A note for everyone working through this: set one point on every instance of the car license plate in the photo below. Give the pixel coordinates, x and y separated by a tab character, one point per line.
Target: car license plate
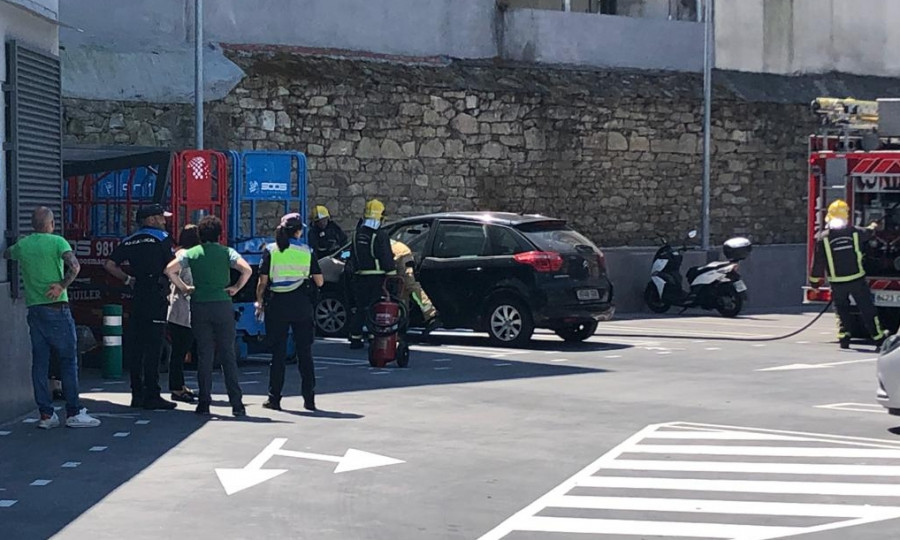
739	286
887	298
588	294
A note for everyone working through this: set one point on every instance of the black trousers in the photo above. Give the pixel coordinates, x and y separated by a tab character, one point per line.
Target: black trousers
213	326
182	339
145	339
277	332
859	290
366	291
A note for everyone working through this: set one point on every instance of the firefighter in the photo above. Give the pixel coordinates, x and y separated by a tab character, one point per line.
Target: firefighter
148	251
371	259
838	257
404	262
326	237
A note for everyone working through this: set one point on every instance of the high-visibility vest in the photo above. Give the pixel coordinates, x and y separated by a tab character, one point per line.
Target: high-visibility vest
289	268
829	256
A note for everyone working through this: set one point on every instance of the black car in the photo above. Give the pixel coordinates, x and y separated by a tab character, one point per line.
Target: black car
502	273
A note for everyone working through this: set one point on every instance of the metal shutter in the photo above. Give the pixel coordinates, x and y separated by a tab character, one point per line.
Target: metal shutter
34	138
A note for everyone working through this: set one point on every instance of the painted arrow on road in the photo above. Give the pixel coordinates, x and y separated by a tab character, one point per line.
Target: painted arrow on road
235	480
791	367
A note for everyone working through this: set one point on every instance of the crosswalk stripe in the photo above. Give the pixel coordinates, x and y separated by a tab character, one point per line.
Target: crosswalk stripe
720	507
721	436
746	486
753	467
662	528
773	451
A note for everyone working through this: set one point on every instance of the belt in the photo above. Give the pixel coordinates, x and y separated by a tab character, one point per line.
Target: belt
57	305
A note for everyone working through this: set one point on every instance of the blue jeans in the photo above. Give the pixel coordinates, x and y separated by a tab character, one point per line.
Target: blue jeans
53	329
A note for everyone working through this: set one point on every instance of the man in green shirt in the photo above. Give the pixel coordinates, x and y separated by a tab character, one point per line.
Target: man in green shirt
212	312
42	257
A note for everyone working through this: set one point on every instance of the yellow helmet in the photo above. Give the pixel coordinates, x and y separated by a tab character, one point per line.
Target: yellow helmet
838	210
374	210
321	212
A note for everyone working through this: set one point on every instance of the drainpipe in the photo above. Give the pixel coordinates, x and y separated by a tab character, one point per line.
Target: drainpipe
198	73
708	51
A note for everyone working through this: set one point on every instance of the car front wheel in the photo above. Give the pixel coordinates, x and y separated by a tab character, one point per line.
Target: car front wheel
577	332
509	322
331	315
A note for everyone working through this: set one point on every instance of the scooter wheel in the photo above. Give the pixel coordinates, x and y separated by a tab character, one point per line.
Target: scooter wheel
403	355
653	301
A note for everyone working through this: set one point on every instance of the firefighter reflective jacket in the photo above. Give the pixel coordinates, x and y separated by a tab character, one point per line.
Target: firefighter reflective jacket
838	255
289	268
370	252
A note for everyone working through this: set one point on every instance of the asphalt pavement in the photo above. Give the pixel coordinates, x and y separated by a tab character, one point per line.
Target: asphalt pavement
668	427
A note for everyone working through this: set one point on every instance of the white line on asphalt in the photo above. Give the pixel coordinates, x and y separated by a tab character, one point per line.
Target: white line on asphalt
719	507
97	449
142	422
802	343
321	368
114	382
612	356
713	348
122	434
249	382
836	439
442	360
560	360
502	364
442	368
721	436
834	469
71	464
337	361
253	373
634	527
855	407
381	373
745	486
784	451
40	483
759	345
4	433
664	352
6	503
793	367
97	389
30	421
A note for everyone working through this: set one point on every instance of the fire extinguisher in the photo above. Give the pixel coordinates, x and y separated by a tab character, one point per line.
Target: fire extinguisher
387	320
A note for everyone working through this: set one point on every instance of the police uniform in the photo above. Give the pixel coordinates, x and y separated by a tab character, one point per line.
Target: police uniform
147	251
289	307
838	256
371	259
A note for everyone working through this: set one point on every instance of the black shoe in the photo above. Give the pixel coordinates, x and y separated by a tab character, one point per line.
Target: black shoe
157	403
202	408
272	404
309	403
239	412
844	343
137	402
356	344
183	397
431	326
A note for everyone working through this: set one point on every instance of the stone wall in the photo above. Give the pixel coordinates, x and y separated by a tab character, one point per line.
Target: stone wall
617	153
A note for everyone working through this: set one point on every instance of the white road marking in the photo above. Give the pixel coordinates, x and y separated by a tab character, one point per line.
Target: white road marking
872	501
4	433
122	434
71	464
713	348
442	360
6	503
338	361
40	483
30	421
502	364
114	382
249	382
802	343
792	367
320	368
560	360
381	373
442	368
97	389
97	449
253	373
855	407
142	422
613	356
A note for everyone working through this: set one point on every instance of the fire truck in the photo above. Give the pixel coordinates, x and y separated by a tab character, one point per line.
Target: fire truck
104	187
856	157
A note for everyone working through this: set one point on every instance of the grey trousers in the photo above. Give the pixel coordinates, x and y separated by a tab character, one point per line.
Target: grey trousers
213	326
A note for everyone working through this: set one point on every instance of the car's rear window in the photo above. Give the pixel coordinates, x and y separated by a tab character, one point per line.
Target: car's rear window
555	236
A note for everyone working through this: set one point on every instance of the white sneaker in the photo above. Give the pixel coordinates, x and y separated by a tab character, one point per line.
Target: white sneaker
82	419
48	423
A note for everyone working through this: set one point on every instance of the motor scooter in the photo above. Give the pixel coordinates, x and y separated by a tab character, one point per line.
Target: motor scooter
716	285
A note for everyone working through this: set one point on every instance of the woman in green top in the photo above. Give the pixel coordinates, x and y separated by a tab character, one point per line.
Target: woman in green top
212	313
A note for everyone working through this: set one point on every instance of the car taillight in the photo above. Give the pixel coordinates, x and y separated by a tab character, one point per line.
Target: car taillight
601	261
542	261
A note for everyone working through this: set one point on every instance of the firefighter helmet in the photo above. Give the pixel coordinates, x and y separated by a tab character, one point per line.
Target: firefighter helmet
838	210
321	212
374	210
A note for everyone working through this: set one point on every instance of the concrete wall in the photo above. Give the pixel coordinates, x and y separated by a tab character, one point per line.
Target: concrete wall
15	362
808	36
774	275
554	37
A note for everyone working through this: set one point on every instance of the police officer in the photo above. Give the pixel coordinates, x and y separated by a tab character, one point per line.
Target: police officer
371	259
838	256
286	269
147	251
326	237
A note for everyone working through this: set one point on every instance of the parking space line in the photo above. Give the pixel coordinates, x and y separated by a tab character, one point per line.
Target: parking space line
6	503
502	364
71	464
855	407
4	433
98	449
122	434
41	483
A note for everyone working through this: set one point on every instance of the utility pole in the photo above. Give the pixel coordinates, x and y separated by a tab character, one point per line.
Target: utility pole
708	58
198	73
